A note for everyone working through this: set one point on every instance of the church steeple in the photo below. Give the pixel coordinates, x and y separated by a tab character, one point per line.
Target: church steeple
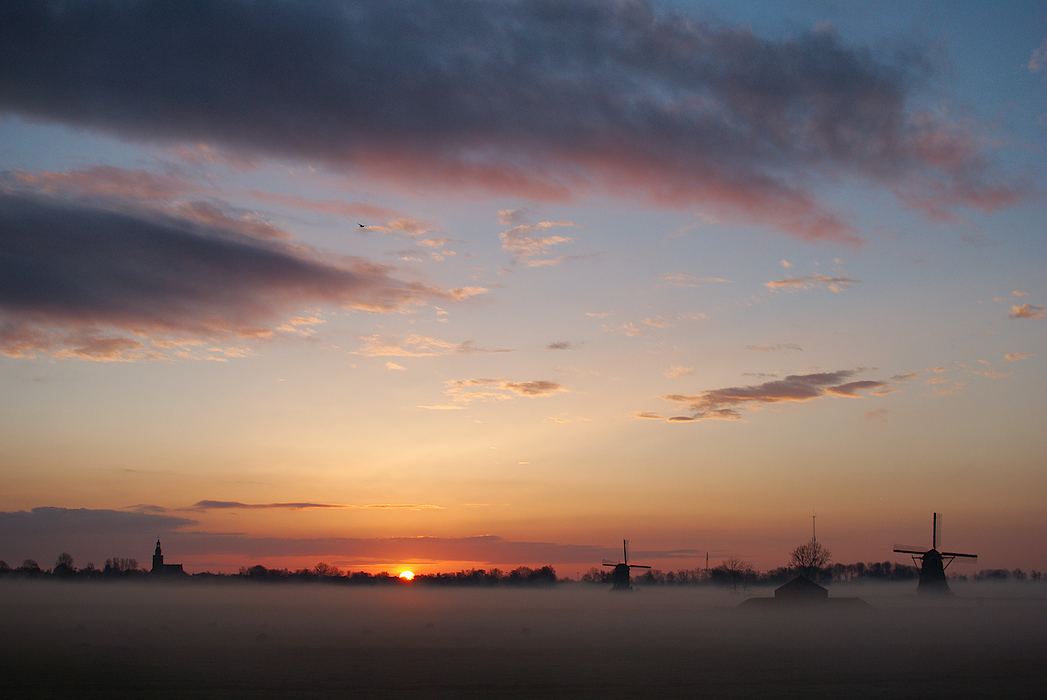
158	559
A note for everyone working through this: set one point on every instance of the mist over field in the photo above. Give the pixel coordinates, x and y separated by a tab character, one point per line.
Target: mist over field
243	639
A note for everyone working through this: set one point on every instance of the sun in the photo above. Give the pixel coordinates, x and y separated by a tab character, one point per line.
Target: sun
407	575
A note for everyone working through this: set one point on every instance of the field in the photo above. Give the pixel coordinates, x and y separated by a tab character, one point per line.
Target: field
240	639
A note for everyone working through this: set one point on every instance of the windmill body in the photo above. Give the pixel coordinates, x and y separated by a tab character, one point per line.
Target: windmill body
620	576
933	563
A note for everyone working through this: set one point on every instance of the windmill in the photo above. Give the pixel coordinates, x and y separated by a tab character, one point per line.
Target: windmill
620	575
932	562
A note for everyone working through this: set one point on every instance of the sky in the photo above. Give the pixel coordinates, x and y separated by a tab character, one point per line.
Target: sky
410	285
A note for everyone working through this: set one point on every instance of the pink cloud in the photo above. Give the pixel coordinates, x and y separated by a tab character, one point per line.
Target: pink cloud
1028	311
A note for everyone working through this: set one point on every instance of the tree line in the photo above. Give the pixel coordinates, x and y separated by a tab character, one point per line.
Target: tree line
811	560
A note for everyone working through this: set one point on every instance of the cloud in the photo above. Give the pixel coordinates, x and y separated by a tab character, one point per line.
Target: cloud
833	284
726	403
168	192
561	345
533	250
99	280
683	279
677	371
467	390
1028	311
89	535
335	207
236	505
94	535
851	389
542	99
1038	59
1014	356
777	347
419	346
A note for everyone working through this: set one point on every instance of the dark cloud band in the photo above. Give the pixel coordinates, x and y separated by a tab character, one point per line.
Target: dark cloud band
68	270
546	98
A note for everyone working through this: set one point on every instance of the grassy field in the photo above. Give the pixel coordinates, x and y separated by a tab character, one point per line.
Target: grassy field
240	640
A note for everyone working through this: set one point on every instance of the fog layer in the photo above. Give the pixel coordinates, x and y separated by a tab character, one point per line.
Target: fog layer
572	641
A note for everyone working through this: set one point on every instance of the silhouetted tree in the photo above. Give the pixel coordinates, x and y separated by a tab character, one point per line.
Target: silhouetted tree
597	575
810	559
29	566
733	572
64	565
120	566
324	570
651	577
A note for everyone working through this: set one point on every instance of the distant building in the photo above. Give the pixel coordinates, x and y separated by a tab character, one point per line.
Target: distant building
162	569
801	590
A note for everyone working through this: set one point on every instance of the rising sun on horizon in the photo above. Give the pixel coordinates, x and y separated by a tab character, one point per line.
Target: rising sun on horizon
407	575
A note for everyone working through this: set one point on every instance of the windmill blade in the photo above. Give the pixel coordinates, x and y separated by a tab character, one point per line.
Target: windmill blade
639	566
909	549
609	562
957	554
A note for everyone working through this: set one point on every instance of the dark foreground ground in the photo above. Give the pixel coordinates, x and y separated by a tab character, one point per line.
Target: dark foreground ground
156	641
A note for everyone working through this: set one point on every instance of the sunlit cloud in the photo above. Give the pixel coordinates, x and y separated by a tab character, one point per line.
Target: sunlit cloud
336	207
852	389
1028	311
1014	356
717	117
683	279
169	192
777	347
987	370
833	284
677	371
236	505
727	403
533	250
419	346
468	390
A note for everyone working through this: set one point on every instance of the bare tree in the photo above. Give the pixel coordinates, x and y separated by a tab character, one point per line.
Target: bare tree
809	559
325	570
64	565
733	572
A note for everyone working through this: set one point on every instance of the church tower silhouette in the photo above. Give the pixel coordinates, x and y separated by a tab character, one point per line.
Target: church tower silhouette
158	559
